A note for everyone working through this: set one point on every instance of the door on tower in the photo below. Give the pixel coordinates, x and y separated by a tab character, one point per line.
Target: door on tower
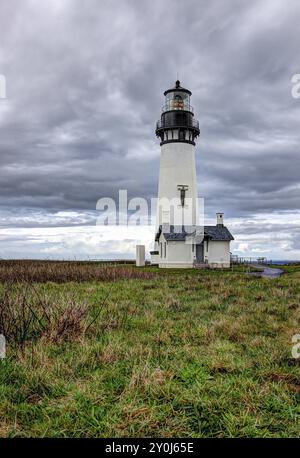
199	253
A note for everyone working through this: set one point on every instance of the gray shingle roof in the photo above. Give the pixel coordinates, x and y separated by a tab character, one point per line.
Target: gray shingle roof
216	233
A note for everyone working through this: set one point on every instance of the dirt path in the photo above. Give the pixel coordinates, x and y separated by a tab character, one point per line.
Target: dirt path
266	271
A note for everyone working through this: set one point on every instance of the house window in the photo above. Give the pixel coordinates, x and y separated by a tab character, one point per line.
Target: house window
165	249
160	246
193	248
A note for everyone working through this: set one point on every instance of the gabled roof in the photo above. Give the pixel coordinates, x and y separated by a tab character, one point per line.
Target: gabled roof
174	233
215	233
218	232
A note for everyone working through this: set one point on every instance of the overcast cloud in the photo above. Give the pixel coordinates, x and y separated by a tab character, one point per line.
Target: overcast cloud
85	84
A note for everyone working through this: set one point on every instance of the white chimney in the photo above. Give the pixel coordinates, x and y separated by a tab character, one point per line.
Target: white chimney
220	219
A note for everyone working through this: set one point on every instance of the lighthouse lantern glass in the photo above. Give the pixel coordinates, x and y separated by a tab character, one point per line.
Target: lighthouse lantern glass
177	100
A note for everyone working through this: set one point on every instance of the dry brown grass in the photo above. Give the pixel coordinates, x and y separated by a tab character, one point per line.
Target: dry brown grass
66	271
27	315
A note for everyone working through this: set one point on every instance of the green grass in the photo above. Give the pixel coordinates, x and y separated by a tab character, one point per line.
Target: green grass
191	353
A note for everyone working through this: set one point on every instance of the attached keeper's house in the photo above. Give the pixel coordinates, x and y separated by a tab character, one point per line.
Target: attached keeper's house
180	249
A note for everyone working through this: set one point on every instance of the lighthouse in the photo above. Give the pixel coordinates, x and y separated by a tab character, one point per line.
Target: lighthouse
179	239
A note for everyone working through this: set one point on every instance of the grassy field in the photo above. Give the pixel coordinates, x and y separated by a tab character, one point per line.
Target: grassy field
98	351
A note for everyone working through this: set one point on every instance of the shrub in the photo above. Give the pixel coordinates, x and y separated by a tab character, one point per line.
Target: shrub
27	315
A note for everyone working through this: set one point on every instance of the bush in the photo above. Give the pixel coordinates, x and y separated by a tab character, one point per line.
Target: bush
27	315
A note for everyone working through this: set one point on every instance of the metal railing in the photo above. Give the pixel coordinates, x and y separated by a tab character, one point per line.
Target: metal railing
235	259
188	123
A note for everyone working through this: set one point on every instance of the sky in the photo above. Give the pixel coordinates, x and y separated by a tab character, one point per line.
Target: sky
84	89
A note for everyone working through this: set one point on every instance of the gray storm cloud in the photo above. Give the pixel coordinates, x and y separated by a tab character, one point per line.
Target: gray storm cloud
85	86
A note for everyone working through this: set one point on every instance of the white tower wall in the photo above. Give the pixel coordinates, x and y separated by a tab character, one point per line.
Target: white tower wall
177	167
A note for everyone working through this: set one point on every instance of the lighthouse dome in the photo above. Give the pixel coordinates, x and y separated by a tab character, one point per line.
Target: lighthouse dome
177	88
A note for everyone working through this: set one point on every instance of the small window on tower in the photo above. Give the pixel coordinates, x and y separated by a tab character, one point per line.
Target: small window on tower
181	135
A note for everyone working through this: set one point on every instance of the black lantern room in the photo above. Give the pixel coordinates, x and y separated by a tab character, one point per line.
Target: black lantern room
177	122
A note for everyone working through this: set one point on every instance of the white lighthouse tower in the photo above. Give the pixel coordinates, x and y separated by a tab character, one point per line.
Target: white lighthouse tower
177	130
179	240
